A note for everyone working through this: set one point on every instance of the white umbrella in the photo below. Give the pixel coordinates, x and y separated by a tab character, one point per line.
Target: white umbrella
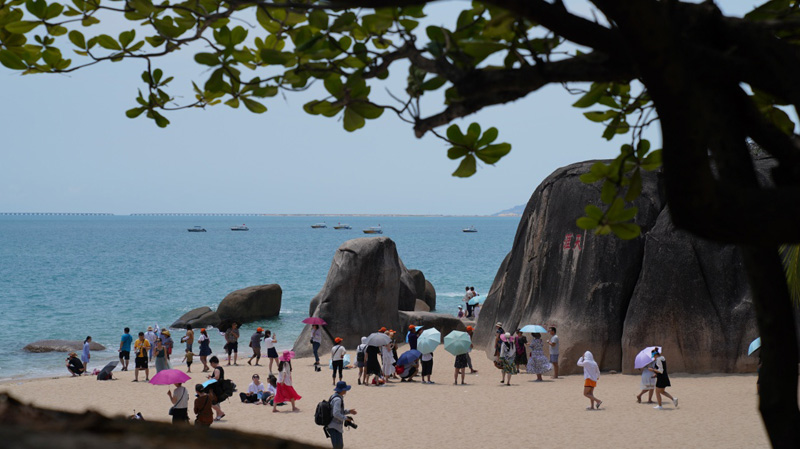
378	339
644	357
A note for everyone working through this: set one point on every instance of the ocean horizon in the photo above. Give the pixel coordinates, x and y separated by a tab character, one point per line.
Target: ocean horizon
72	275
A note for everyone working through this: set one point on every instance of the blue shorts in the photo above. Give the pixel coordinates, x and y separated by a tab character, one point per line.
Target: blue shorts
553	358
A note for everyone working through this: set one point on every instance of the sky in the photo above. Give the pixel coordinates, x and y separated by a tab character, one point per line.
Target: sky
68	147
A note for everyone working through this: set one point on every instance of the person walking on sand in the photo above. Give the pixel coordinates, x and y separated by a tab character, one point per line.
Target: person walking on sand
412	337
188	358
269	344
188	338
232	342
151	338
86	354
219	395
335	428
337	358
648	383
180	404
470	329
316	341
508	352
361	351
521	343
141	347
553	342
538	363
591	373
202	408
662	379
125	349
255	345
460	365
285	391
205	348
371	356
498	332
161	356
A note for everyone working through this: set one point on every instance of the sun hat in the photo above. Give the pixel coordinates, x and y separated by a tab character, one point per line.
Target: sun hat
460	307
382	329
73	354
165	332
342	386
258	329
499	324
149	328
337	340
286	356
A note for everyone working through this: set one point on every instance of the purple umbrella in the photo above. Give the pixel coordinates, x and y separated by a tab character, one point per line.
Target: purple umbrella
314	320
644	357
169	377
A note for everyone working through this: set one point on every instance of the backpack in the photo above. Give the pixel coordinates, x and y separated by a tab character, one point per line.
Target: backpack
324	413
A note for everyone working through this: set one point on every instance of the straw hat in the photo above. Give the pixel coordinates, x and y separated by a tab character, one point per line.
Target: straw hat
73	354
149	328
165	332
499	324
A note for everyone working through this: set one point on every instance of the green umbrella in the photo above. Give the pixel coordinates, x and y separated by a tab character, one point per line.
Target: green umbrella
457	343
428	340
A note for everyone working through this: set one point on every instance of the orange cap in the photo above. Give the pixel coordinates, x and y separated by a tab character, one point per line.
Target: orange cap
259	329
412	327
203	330
337	340
383	329
469	328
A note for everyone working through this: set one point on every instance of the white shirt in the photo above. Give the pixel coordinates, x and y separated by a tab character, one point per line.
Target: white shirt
427	357
182	396
150	336
254	389
337	353
271	390
316	335
285	376
269	342
554	346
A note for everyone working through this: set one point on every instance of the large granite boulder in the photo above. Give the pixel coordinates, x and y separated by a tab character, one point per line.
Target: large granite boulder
197	318
430	295
61	346
366	286
615	297
418	278
251	304
421	306
443	322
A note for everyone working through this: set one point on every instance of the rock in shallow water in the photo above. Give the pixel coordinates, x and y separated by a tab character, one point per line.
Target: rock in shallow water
61	346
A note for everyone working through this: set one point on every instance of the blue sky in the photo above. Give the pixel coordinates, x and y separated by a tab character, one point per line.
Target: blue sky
68	147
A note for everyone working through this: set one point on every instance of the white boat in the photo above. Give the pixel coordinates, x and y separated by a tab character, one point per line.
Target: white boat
469	229
319	225
240	228
342	226
197	229
373	230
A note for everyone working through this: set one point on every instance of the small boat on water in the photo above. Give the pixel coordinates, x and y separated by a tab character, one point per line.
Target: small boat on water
342	226
197	229
319	225
469	229
373	230
240	228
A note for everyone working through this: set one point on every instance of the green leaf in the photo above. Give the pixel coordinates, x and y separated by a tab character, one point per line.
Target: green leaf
609	192
457	152
22	26
480	50
352	120
473	132
626	231
366	110
209	59
135	112
595	93
635	187
161	121
454	135
334	85
589	178
408	24
318	19
433	83
271	56
56	30
91	20
36	7
76	37
593	211
108	42
12	61
126	37
587	223
488	137
642	148
53	11
599	116
652	161
493	153
254	106
467	168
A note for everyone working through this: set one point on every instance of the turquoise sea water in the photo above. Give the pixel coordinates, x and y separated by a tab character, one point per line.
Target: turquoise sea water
66	277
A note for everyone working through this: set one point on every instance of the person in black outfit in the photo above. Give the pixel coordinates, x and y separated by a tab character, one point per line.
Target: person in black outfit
219	374
662	379
74	365
371	357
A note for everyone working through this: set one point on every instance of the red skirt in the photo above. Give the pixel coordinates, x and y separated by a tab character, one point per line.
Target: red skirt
286	393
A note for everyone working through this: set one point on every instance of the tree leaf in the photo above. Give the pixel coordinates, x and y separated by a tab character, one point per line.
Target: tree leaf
635	187
493	153
135	112
489	136
209	59
593	211
457	152
589	98
467	168
587	223
626	231
254	106
609	192
352	120
108	42
454	135
318	19
22	26
12	61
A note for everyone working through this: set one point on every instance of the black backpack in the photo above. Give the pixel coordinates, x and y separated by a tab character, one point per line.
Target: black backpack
324	413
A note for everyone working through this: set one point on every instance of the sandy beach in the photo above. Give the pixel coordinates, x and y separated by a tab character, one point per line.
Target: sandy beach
716	411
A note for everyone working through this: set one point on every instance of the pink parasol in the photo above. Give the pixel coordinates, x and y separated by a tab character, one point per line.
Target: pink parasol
314	320
169	377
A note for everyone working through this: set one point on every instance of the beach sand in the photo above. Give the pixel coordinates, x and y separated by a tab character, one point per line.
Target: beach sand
716	411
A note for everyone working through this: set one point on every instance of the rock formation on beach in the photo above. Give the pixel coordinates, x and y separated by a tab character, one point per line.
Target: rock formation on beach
615	297
367	287
61	346
242	306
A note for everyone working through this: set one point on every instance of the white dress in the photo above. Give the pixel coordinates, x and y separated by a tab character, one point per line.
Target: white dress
648	377
388	360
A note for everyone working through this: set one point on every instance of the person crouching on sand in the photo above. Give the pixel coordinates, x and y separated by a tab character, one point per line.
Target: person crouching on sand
74	365
591	373
285	390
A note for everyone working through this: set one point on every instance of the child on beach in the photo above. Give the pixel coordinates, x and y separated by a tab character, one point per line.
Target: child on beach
202	408
360	352
272	388
427	367
188	359
460	312
591	373
285	391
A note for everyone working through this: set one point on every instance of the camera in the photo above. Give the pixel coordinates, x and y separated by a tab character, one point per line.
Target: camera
348	422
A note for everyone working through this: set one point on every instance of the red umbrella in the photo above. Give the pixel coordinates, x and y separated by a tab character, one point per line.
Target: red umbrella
314	320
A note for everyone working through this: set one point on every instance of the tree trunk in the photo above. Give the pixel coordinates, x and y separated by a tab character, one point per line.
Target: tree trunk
779	350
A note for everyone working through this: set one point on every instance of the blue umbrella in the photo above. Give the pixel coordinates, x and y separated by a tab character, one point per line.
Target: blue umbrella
409	357
534	328
754	345
428	340
457	343
209	382
474	301
416	329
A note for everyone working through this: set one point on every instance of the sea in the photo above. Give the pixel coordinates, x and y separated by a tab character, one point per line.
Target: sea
72	276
